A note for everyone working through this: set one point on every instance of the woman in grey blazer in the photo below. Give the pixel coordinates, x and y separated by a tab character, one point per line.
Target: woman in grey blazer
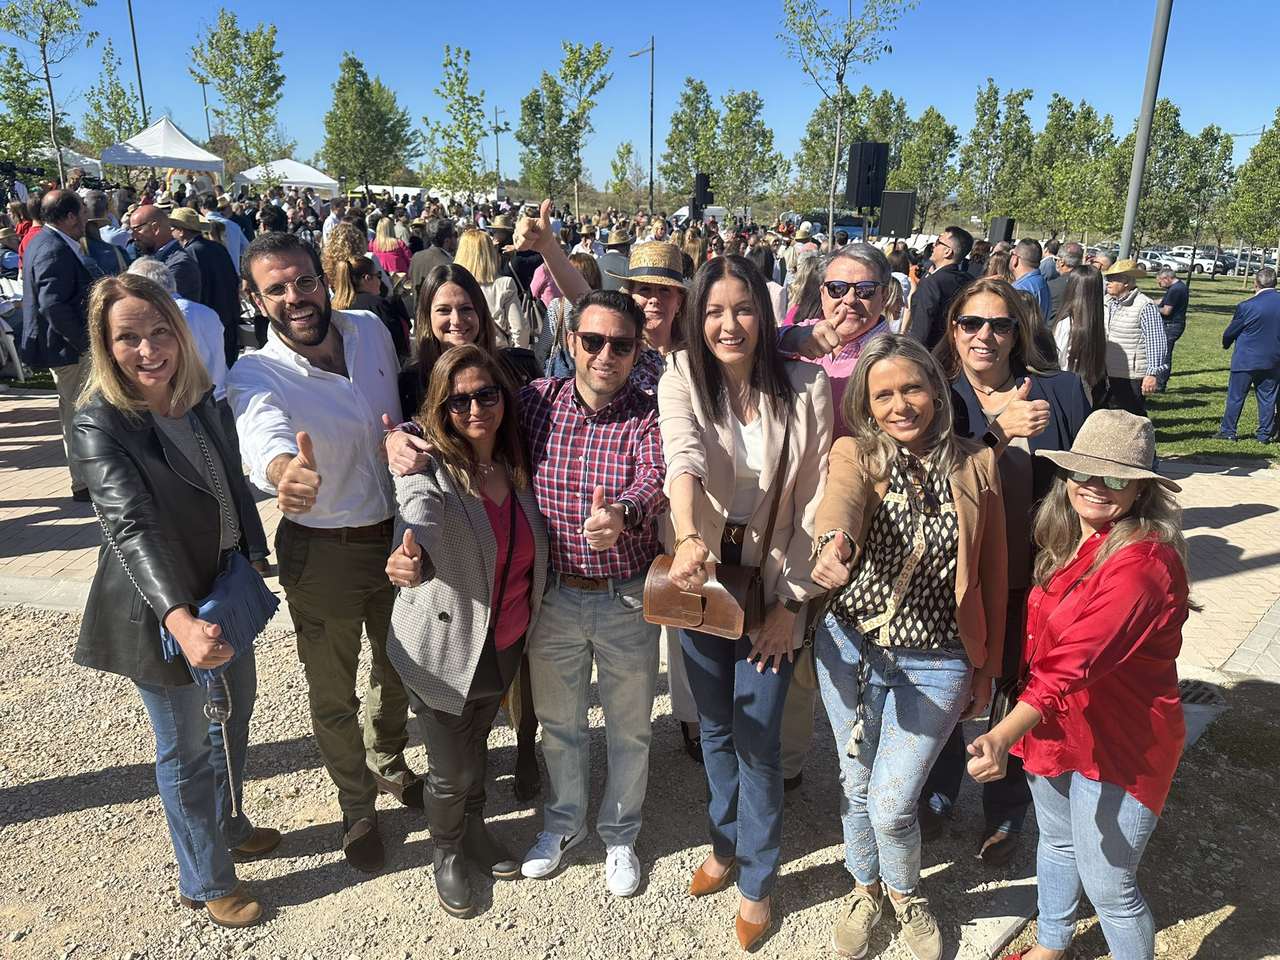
471	565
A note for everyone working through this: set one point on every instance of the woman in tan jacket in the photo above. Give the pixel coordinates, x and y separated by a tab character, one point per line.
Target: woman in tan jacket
911	542
741	429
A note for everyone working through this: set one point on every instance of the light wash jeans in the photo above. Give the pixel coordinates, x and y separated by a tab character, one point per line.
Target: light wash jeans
191	773
1092	834
574	627
913	700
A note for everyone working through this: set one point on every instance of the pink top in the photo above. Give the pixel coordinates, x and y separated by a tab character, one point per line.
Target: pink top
393	261
543	287
839	368
513	618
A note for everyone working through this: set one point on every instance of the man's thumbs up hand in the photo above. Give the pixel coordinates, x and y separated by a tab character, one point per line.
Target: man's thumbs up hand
299	483
604	524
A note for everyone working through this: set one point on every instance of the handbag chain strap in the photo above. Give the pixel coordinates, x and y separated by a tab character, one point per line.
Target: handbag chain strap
224	512
767	543
115	548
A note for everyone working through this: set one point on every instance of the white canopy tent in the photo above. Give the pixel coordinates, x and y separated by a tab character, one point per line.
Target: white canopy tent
161	145
290	173
71	158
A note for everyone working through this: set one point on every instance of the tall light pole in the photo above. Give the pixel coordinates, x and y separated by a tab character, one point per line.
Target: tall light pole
497	146
208	132
639	53
1155	61
137	65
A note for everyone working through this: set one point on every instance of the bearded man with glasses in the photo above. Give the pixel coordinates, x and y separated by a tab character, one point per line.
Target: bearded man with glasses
310	408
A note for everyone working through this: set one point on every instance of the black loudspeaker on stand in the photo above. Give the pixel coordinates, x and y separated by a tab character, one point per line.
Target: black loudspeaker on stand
1001	229
897	213
868	169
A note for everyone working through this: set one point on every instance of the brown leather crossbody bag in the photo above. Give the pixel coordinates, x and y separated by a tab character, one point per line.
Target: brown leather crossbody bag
732	600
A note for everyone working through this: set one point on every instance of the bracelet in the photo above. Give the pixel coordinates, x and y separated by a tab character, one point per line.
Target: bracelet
688	536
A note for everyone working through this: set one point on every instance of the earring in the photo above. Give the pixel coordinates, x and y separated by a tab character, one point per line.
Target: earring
937	403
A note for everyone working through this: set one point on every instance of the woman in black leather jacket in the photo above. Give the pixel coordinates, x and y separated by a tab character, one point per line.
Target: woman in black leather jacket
156	453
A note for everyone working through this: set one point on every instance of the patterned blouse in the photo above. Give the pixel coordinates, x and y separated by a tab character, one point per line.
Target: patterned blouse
903	593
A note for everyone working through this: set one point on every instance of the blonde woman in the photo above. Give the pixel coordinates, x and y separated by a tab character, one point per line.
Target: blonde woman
479	257
166	482
911	543
389	250
1098	722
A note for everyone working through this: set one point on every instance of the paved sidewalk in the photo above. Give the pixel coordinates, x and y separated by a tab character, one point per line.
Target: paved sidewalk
49	544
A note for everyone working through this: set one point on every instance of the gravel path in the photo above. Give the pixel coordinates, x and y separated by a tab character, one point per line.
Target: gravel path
86	869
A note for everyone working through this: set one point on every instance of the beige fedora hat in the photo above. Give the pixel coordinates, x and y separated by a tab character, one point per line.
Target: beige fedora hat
187	219
654	262
1124	270
1113	443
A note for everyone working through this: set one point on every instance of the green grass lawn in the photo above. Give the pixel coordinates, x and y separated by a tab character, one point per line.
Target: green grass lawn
1188	413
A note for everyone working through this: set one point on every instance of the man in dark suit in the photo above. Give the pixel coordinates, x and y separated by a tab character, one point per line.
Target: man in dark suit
152	237
1255	361
219	282
56	277
936	291
442	240
1070	257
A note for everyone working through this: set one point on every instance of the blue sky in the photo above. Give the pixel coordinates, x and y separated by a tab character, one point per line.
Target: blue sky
1220	65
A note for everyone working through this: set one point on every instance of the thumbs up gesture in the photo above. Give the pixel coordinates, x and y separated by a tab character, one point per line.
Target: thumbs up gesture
299	482
404	566
1024	417
832	569
604	523
987	758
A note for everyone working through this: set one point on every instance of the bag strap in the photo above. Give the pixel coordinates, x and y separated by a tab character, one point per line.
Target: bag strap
115	548
224	512
777	493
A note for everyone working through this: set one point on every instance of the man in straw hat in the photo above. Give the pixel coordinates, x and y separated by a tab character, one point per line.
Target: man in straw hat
219	281
613	262
1137	350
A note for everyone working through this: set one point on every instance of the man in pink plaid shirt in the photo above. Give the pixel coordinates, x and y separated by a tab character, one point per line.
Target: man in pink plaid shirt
597	465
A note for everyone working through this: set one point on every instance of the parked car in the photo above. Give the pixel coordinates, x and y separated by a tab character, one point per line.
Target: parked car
1152	260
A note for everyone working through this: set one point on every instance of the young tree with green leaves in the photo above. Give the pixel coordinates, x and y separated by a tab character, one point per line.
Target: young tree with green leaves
928	165
243	67
746	160
827	48
367	134
1207	174
112	113
582	77
980	156
691	142
24	134
626	177
1255	205
547	157
52	30
457	164
1014	141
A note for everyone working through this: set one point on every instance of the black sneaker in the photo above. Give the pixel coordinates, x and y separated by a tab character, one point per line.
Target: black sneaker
1225	436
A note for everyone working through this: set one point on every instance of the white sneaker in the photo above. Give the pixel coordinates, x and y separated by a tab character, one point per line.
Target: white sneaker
622	870
545	854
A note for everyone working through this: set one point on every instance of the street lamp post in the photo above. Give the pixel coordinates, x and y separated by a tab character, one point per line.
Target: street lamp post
639	53
137	65
1155	60
208	131
497	147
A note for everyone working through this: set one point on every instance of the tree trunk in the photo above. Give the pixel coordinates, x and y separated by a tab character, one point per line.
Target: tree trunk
835	173
576	214
1195	243
53	115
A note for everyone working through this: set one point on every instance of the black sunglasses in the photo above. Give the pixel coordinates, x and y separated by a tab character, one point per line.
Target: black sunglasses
593	343
999	325
485	396
863	289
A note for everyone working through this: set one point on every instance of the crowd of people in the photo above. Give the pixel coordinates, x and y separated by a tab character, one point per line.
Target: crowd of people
487	431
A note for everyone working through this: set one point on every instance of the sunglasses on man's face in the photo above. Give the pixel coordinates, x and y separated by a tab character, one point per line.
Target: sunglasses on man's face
593	343
1000	326
461	402
862	289
1111	483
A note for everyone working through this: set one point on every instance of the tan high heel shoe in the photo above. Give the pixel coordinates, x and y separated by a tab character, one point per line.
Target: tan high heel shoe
236	909
750	934
704	884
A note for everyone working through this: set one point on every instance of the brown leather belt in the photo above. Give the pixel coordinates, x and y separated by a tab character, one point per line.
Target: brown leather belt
594	584
373	533
734	533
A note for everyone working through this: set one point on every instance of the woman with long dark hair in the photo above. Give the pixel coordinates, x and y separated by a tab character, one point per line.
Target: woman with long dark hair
1081	330
742	430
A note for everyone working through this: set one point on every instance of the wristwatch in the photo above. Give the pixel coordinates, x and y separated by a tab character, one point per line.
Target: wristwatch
630	514
795	606
990	439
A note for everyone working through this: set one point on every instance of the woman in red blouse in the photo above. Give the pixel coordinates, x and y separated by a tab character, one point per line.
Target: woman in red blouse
1099	723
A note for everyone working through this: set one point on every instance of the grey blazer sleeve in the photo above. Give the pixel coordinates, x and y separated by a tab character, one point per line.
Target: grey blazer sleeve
420	499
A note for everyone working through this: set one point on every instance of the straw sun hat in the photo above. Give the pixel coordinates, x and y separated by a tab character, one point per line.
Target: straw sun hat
655	262
188	219
1112	443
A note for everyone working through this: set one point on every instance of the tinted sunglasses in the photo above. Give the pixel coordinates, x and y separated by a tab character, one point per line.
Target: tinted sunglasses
863	289
593	343
999	325
1111	483
486	396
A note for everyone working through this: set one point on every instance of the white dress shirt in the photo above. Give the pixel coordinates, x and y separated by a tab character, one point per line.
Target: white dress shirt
206	330
276	393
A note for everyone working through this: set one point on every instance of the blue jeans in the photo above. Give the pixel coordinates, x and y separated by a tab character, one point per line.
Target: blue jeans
740	717
913	700
1092	835
1264	383
574	627
191	772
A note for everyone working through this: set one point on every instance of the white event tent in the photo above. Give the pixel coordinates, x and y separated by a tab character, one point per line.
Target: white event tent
161	145
290	173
